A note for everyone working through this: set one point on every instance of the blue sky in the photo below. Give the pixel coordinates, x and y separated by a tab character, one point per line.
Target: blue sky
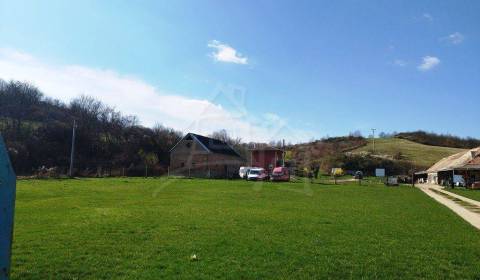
261	69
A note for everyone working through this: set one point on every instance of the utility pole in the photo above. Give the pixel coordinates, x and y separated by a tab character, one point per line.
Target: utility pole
72	151
373	138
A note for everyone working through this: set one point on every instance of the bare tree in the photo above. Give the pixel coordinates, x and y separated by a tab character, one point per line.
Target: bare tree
223	135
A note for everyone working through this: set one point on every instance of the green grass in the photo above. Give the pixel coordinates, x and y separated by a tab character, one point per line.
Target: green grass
472	194
148	229
422	155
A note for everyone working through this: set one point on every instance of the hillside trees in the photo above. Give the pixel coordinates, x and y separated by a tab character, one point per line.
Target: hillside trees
236	143
433	139
37	131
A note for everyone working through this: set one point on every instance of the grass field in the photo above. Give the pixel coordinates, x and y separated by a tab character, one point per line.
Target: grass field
472	194
422	155
148	229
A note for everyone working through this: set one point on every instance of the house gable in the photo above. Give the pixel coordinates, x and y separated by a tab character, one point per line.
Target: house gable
188	145
208	144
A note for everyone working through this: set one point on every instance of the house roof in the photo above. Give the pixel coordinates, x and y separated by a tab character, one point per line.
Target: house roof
474	163
211	145
467	159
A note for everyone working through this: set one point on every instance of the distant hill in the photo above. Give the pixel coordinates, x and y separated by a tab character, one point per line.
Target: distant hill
433	139
356	153
402	149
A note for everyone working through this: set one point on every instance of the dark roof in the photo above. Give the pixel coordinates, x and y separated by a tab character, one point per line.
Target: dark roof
214	145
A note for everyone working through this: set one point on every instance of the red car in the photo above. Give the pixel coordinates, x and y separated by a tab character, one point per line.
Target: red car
280	174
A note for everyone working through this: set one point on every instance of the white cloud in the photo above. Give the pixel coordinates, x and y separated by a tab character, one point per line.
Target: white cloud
399	62
133	96
225	53
454	38
428	17
428	63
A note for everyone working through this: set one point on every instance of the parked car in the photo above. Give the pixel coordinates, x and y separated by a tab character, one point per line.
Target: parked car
243	171
280	174
257	174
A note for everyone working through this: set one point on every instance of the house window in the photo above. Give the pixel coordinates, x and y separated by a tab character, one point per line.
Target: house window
182	164
188	144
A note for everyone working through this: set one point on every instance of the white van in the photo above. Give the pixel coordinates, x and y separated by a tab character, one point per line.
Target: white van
257	174
243	172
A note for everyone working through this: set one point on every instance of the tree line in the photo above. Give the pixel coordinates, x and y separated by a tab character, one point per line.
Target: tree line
38	134
444	140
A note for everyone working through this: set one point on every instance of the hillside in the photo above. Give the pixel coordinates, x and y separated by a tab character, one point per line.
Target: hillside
420	154
443	140
37	131
307	153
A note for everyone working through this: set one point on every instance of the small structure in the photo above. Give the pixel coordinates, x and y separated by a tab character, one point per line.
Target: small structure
267	157
7	208
199	156
380	172
466	164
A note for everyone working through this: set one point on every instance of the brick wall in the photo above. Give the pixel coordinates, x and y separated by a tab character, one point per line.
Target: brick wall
189	158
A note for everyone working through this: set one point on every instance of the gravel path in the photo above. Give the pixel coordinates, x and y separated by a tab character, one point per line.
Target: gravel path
466	208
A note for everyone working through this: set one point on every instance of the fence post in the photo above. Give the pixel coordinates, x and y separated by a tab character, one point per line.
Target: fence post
7	205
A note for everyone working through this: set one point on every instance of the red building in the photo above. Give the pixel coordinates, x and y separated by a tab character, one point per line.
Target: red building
266	157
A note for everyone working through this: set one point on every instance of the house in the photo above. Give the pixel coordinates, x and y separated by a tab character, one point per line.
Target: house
266	157
199	156
466	164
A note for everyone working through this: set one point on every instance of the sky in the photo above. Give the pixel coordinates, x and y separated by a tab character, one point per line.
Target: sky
262	70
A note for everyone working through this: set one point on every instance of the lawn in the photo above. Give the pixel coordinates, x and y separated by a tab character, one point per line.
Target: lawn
148	229
423	155
472	194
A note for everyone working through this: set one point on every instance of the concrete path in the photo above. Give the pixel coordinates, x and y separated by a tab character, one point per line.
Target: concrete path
466	208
